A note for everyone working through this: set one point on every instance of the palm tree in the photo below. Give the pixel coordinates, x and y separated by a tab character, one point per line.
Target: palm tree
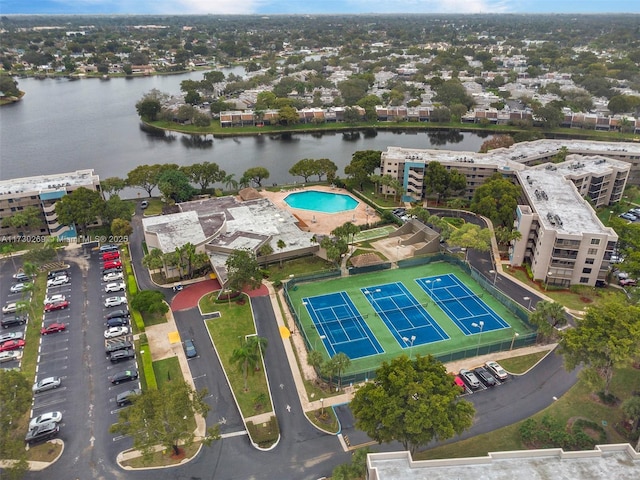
244	356
341	362
229	181
258	345
281	245
548	316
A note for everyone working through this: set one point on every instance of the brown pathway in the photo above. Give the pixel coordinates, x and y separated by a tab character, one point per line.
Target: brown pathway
189	296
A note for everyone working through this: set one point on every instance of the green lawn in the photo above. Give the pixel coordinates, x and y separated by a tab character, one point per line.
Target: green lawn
166	371
352	285
298	266
228	333
579	401
521	363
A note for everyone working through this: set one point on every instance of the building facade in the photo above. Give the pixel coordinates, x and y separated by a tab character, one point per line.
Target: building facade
41	192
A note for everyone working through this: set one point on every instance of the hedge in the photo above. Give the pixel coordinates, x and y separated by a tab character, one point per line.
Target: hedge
137	319
132	285
147	366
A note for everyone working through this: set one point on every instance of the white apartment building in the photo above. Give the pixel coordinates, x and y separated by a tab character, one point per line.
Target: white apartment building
41	192
562	239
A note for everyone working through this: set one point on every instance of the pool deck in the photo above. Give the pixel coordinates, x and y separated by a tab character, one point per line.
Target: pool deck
323	223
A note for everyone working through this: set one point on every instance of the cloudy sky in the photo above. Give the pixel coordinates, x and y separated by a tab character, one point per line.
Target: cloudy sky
319	6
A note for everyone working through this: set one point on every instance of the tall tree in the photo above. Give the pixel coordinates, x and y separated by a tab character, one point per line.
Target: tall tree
304	168
340	363
81	207
174	185
114	208
204	174
324	166
245	356
112	185
145	177
28	218
606	338
497	199
15	399
363	163
412	402
548	316
243	271
256	175
164	417
471	236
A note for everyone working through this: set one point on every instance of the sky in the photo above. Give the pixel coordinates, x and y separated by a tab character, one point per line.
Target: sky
266	7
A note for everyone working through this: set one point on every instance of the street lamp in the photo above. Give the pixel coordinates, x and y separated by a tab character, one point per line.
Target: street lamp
410	341
479	325
610	213
528	298
298	315
315	343
546	284
515	334
495	276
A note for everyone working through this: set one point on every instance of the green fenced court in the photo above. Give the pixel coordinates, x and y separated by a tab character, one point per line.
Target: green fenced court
457	345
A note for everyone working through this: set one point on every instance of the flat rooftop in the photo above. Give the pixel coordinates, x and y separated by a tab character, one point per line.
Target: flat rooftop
175	229
47	183
605	462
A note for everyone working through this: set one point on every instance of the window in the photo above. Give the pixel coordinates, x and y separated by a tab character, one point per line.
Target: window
589	261
595	241
592	251
586	270
584	279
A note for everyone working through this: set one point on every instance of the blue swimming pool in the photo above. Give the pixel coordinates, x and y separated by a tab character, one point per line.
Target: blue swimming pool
325	202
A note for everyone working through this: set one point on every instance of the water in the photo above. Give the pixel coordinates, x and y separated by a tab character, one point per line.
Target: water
321	201
63	125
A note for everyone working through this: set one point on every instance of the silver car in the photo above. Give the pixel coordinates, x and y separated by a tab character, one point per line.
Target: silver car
45	384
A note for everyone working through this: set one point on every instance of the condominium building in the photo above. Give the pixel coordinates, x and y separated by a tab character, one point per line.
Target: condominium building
563	240
41	192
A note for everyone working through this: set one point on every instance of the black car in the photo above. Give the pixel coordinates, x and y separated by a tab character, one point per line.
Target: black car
125	398
485	376
190	348
110	270
116	344
117	322
120	355
42	432
13	321
124	376
116	314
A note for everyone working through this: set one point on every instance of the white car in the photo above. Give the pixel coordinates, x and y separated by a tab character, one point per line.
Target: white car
114	287
110	277
10	336
10	355
497	371
19	287
54	299
57	281
45	418
116	332
114	301
11	307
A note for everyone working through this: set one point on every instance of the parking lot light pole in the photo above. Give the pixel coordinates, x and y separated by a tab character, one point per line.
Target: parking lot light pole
479	325
495	276
528	298
515	335
315	344
409	341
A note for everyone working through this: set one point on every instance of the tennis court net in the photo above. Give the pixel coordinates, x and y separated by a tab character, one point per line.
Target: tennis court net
455	299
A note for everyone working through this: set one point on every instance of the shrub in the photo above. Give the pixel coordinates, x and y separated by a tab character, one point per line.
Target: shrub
147	366
264	434
132	285
138	320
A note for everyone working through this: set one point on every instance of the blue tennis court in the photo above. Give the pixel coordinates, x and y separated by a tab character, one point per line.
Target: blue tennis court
340	326
404	316
461	304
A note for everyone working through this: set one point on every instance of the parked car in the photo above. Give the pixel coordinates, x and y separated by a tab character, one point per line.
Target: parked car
13	321
144	204
117	322
123	376
117	313
110	256
458	381
601	284
114	287
53	328
10	355
112	264
470	379
20	277
485	376
106	271
19	287
111	276
125	398
57	281
628	216
120	355
10	336
620	275
51	307
108	248
628	282
113	345
42	432
10	307
54	298
114	301
57	273
190	348
8	345
45	384
616	259
496	370
45	418
113	332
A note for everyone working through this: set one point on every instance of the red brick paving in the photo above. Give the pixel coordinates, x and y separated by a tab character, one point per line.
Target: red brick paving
191	294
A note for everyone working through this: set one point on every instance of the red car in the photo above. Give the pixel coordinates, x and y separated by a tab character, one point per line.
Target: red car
110	256
53	328
458	381
50	307
11	345
113	264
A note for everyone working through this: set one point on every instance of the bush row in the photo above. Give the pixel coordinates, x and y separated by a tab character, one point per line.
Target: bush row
147	366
